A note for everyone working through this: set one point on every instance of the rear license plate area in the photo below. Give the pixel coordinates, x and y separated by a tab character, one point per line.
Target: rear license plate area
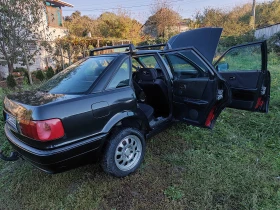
12	122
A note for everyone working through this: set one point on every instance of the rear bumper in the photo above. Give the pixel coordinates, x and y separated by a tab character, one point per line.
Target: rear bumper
59	159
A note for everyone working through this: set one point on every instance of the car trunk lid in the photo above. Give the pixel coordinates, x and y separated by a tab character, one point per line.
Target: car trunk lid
205	40
23	105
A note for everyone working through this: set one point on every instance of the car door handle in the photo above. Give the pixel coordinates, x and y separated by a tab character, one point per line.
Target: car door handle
232	78
182	86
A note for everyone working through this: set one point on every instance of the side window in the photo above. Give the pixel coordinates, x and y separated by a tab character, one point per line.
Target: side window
121	78
135	65
242	58
180	65
186	64
149	61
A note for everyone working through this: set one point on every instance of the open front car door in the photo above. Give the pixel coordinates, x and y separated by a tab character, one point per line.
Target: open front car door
239	79
244	68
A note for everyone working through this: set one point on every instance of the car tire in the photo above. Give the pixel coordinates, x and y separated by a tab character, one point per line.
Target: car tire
124	152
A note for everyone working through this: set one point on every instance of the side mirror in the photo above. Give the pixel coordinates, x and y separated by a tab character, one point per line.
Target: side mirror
222	67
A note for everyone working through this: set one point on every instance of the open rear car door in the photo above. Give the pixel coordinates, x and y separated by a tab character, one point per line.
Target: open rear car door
199	92
244	67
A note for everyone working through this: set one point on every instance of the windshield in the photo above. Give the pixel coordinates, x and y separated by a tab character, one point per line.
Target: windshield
77	78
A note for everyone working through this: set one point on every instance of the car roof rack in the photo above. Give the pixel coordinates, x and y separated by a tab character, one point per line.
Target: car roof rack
150	46
166	46
130	47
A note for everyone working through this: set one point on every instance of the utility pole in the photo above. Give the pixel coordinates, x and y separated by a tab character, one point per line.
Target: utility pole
253	18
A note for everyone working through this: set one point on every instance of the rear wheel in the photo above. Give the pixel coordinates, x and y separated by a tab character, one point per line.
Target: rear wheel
124	152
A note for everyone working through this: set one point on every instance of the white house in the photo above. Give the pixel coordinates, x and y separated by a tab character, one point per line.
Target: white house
52	28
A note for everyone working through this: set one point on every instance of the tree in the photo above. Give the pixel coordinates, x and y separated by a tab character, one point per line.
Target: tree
234	22
20	22
79	25
164	20
112	25
237	21
118	25
68	45
267	13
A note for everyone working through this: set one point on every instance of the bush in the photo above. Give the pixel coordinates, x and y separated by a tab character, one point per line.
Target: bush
230	41
11	82
26	77
50	72
40	75
273	43
159	40
20	69
58	68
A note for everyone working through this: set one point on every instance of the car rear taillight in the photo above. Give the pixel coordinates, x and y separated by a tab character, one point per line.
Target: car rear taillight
46	130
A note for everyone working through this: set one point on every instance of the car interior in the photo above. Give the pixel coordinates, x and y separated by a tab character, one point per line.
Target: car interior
151	91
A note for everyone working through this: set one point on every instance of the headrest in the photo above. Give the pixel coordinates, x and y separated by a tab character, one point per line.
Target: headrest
147	74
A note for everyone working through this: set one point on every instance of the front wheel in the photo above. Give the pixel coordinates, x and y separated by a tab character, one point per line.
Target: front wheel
124	152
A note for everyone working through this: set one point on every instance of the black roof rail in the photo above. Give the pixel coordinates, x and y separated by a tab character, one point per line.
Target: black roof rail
130	47
150	46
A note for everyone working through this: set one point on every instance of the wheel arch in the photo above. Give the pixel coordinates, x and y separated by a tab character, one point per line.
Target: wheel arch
123	120
127	119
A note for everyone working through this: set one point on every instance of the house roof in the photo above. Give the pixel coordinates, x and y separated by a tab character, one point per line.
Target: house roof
60	3
268	26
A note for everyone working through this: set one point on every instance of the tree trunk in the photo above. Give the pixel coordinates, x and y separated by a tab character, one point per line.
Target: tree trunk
84	51
10	67
69	55
69	58
47	63
61	54
27	66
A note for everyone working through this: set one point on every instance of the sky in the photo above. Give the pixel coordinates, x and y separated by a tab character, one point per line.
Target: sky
142	9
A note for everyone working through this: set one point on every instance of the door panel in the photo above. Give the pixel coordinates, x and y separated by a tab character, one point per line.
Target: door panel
191	87
242	79
193	103
244	87
245	70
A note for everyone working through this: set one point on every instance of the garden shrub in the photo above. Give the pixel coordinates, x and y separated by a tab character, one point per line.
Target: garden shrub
26	77
11	82
50	72
230	41
273	43
20	69
40	75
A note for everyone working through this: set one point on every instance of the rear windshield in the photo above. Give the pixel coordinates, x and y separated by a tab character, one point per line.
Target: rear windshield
77	78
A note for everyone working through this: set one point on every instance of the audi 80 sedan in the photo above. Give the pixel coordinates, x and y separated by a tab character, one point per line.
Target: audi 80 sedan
105	106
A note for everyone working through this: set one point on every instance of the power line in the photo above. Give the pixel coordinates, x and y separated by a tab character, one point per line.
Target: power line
144	5
137	6
105	3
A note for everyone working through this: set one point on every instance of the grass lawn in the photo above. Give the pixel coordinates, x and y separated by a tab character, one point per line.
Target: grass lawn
235	166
